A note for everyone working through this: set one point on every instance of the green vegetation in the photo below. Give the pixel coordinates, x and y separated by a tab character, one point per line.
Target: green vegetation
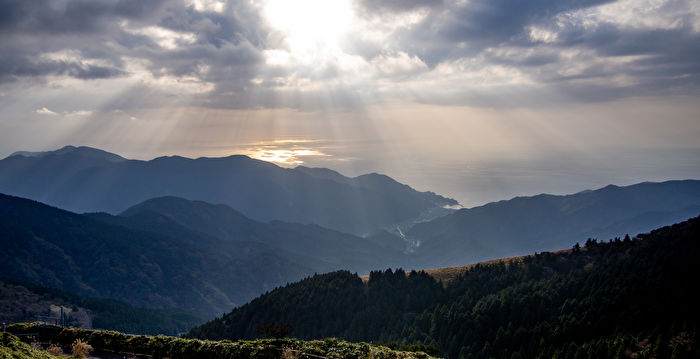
177	348
618	299
12	348
22	302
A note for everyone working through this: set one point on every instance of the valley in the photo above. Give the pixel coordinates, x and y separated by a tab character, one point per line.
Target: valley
406	279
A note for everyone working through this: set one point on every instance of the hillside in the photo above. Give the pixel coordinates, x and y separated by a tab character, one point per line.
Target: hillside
604	299
12	347
22	302
316	247
113	344
190	255
545	222
55	248
83	179
447	274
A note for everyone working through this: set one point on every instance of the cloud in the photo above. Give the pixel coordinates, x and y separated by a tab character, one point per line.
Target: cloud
46	111
374	6
162	45
225	54
81	113
583	50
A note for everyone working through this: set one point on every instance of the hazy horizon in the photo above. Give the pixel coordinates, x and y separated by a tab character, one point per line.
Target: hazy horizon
566	188
478	100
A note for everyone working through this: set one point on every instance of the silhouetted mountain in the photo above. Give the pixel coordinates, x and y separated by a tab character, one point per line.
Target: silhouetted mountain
318	248
377	182
82	151
89	180
545	222
624	298
192	271
172	252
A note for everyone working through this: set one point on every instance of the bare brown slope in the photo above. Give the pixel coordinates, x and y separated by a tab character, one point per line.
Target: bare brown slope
447	274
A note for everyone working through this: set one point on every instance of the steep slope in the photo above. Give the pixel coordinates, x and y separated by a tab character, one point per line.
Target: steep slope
90	180
59	249
526	224
623	298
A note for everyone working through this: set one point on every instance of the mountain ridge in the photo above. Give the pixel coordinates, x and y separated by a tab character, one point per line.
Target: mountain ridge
546	222
261	190
90	257
336	249
185	254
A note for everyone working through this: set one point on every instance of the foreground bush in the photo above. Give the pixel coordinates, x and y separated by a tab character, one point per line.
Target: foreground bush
178	348
81	349
12	347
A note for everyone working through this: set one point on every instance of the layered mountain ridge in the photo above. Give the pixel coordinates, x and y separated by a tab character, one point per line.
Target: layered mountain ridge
177	250
172	253
548	222
82	179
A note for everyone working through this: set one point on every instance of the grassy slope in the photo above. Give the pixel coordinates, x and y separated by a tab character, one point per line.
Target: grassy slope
12	348
176	348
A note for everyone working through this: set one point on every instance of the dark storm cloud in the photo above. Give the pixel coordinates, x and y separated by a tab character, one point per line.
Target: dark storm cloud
497	32
104	37
662	61
75	16
241	23
460	29
88	39
492	22
13	67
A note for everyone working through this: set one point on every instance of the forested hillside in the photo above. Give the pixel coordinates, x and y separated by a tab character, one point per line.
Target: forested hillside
631	297
78	254
23	302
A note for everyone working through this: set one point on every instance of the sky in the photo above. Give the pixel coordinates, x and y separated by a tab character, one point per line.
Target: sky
478	100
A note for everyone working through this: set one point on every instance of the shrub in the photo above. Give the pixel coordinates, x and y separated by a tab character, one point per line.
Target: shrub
81	349
55	350
288	353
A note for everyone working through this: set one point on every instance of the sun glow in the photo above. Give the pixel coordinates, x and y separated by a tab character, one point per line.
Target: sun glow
312	28
289	152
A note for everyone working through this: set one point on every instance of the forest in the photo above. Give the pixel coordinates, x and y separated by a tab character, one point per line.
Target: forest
621	298
24	302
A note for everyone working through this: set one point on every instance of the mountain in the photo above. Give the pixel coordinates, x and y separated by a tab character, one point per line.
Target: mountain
23	302
82	179
192	271
313	246
170	252
81	151
545	222
623	298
